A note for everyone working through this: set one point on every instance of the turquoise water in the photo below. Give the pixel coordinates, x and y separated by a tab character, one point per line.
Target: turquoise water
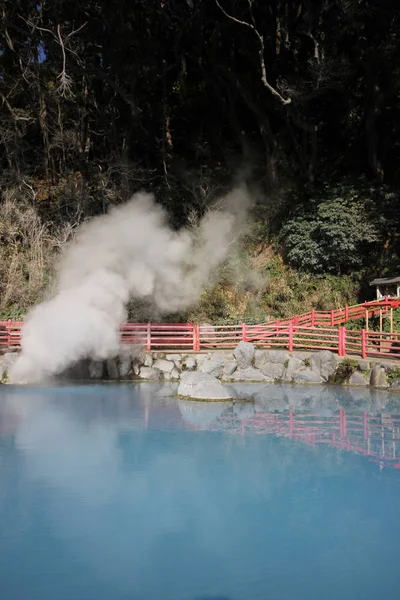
120	492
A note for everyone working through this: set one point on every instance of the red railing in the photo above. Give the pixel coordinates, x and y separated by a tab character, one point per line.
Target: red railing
293	334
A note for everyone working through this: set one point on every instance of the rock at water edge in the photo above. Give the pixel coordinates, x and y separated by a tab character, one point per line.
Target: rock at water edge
202	386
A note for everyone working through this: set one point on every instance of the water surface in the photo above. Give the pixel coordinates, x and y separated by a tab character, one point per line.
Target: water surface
122	492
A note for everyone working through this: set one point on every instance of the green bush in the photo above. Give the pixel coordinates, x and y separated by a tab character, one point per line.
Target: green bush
338	228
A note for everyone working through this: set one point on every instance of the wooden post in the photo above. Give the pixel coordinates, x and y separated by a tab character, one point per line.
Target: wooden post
9	333
290	336
332	318
344	349
391	319
313	317
363	344
380	320
366	319
148	337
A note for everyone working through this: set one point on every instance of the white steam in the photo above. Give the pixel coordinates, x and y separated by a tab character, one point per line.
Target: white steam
131	252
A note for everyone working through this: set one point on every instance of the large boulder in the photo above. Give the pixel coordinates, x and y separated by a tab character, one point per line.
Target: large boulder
244	353
325	363
202	386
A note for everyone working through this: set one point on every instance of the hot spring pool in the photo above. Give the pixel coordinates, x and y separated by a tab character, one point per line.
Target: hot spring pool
117	492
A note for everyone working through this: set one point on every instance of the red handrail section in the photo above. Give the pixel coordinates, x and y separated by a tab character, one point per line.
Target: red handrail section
314	331
375	436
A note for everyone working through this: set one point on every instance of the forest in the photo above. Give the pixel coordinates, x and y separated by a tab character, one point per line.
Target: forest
298	99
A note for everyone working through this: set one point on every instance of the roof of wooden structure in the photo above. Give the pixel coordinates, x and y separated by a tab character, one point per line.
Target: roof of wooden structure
385	281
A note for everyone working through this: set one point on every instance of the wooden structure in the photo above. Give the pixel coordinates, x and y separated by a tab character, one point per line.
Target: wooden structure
387	286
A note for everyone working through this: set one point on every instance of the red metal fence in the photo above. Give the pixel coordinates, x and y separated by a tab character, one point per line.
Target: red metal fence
314	331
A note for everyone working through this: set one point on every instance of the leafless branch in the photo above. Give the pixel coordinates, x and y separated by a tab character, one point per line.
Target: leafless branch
260	38
65	86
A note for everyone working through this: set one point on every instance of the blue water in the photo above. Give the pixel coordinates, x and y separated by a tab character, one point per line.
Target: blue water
120	492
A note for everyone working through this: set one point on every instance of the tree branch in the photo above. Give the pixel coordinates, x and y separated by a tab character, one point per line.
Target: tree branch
252	26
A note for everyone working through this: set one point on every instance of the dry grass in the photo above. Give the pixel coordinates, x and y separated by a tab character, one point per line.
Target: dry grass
28	251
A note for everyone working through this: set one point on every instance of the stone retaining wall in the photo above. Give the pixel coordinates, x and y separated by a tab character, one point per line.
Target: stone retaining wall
245	363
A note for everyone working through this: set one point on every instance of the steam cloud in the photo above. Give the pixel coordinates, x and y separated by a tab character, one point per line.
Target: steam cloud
131	252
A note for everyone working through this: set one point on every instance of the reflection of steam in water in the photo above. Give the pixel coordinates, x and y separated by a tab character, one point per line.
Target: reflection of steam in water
88	448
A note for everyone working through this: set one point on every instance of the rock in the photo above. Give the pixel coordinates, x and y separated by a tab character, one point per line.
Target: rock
293	365
274	370
395	385
378	377
229	368
163	365
244	353
259	358
125	366
112	368
325	363
189	363
357	378
306	376
250	374
178	365
148	361
364	365
174	374
213	365
149	373
96	369
278	356
136	368
202	386
174	357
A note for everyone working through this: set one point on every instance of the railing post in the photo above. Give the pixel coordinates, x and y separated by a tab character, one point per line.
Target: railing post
344	349
290	336
9	333
313	317
332	318
148	337
340	341
363	344
244	332
196	337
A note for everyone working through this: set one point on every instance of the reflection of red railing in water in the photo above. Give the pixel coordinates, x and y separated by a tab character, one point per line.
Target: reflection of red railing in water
375	436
